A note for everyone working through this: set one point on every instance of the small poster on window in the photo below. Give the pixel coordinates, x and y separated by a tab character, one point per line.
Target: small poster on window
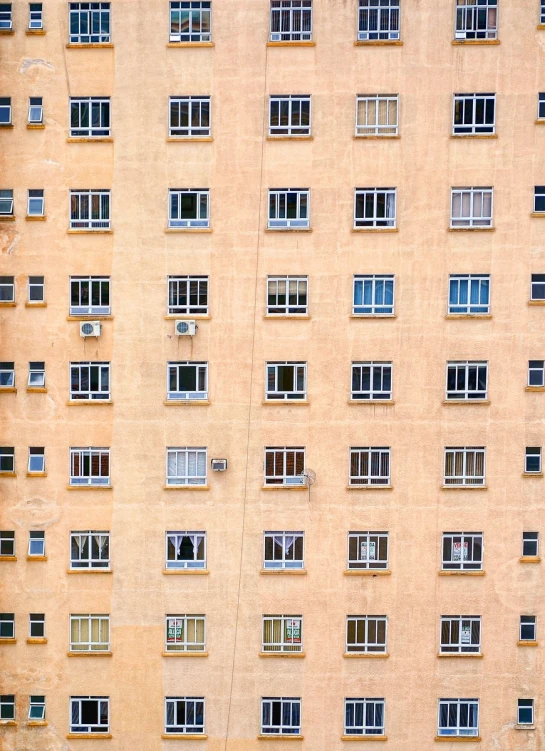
174	631
368	551
457	548
466	633
293	631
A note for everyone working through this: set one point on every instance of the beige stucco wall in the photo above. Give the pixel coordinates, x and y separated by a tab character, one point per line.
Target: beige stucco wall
239	166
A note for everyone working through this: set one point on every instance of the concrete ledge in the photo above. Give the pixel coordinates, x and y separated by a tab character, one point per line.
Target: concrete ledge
475	41
184	736
484	316
36	558
89	571
475	655
189	139
374	137
284	487
37	640
378	43
186	571
186	487
35	126
372	655
281	654
279	737
89	487
368	572
471	229
532	474
280	571
186	402
37	723
35	218
31	33
464	487
187	316
288	229
285	402
290	138
35	305
11	304
528	643
369	487
364	737
36	390
8	390
375	229
459	402
89	736
534	388
89	45
10	217
474	135
530	559
189	230
185	654
97	653
90	317
537	303
8	723
8	640
454	572
87	402
458	739
287	317
8	474
291	44
89	139
372	402
8	558
36	474
89	231
538	214
373	315
191	44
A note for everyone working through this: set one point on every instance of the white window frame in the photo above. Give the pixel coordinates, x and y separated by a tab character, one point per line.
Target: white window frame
7	453
6	199
7	700
374	730
87	454
368	551
299	373
533	539
197	538
467	22
295	126
482	282
368	645
184	728
468	626
201	378
295	288
6	16
462	546
36	374
93	105
183	454
83	203
196	110
89	394
285	644
465	479
278	208
100	37
295	12
290	729
539	199
473	127
90	282
542	13
530	622
476	218
377	370
185	624
94	728
371	455
202	204
7	375
541	103
36	451
35	285
38	620
532	451
35	109
463	369
378	284
101	541
36	702
31	552
377	219
89	645
457	730
372	126
379	22
284	479
522	705
7	289
35	203
197	12
7	543
287	541
534	370
8	618
198	286
537	287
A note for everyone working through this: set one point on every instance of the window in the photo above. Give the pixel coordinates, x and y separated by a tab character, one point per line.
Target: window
371	381
90	550
458	717
366	633
542	15
462	551
186	466
374	294
377	114
89	466
283	550
528	628
187	380
291	20
36	459
367	550
6	21
7	289
284	466
185	633
35	206
89	633
7	459
185	550
7	375
189	208
374	208
280	716
525	712
7	625
90	295
37	625
467	380
90	117
90	209
460	634
541	105
289	208
35	106
536	373
35	18
89	23
189	116
184	714
89	714
369	466
7	701
378	20
539	199
530	544
7	543
282	633
36	374
188	295
6	196
89	381
471	207
36	708
464	466
289	115
474	114
364	716
469	293
532	460
286	381
5	115
476	21
36	544
36	289
191	21
537	287
287	295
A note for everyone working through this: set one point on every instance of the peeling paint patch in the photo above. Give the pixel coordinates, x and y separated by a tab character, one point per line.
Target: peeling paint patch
9	240
30	61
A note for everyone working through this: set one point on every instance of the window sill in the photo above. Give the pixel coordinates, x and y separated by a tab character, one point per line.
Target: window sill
534	388
191	44
373	315
8	641
89	736
536	302
279	737
186	572
8	723
8	558
524	727
367	572
461	316
89	654
89	231
8	390
281	654
530	559
374	137
37	724
372	655
287	317
458	739
8	474
184	736
372	402
89	487
36	640
532	474
464	487
186	402
458	402
185	654
369	487
36	390
290	138
364	737
188	316
375	229
527	643
540	27
462	573
90	317
35	305
474	135
284	487
88	402
285	571
189	139
7	32
36	558
288	229
35	218
36	474
291	44
89	139
186	487
13	304
472	229
35	32
89	45
89	571
378	43
538	214
189	230
7	218
35	126
285	402
465	655
475	41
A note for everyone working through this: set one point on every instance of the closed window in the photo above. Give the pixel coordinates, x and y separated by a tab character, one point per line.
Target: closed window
7	375
286	381
5	110
284	466
373	294
185	550
542	14
469	294
289	115
184	714
371	381
530	544
7	459
366	633
89	295
291	20
90	209
539	199
369	466
185	633
89	23
378	20
6	21
89	381
460	634
89	633
367	550
188	295
536	373
458	717
7	543
532	460
374	208
186	466
282	633
537	287
7	625
90	117
462	551
189	116
35	104
528	628
541	105
6	196
191	21
187	380
36	374
289	208
525	712
287	295
7	289
36	625
89	714
35	205
474	114
7	701
36	460
377	115
89	466
36	289
189	208
364	717
464	466
35	16
280	716
471	207
467	380
36	544
283	550
36	708
476	20
90	550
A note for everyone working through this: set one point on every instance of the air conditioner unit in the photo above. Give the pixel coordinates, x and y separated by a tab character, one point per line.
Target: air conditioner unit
185	328
218	465
89	328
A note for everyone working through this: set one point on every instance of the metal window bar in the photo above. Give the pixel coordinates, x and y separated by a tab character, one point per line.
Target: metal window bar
191	21
476	20
284	466
364	716
189	208
90	209
285	381
289	208
185	633
460	634
184	714
366	633
370	466
371	381
464	465
458	717
186	466
90	117
188	295
462	551
280	716
6	20
536	373
185	550
378	20
287	295
89	23
474	114
291	20
374	294
377	115
7	289
469	294
90	550
89	633
283	550
367	550
89	714
89	381
282	633
527	628
289	115
467	380
189	116
471	207
90	466
375	207
35	16
539	199
187	380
